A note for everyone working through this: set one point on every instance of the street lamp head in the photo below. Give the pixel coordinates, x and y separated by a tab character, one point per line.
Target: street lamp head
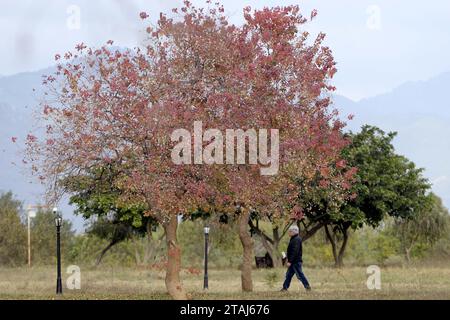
32	213
206	230
58	220
55	210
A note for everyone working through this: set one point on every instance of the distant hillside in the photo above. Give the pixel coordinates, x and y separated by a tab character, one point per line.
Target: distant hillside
18	101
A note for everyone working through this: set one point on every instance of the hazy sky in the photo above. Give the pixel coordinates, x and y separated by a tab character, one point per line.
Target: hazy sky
378	44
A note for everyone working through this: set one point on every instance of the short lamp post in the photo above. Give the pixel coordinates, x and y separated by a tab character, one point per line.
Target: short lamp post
58	223
205	279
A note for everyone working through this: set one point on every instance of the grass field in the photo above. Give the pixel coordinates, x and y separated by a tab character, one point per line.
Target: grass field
327	283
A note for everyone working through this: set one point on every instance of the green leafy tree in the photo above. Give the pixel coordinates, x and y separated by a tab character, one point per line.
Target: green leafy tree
13	239
97	199
383	247
424	229
386	184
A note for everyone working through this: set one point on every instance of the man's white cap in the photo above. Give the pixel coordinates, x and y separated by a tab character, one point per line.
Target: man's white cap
293	229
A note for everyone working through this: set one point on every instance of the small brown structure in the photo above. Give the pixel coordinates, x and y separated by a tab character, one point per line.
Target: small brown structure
264	262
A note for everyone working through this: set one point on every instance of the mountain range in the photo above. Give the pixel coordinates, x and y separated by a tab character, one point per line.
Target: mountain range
418	111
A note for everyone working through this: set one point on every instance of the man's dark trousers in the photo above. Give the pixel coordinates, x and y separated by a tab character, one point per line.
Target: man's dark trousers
295	268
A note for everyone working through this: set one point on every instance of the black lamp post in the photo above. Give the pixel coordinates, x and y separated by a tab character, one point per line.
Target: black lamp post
205	279
58	223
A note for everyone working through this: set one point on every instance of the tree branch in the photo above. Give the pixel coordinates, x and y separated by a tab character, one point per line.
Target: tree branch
259	232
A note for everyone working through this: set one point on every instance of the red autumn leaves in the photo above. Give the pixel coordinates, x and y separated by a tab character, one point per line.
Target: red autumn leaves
119	107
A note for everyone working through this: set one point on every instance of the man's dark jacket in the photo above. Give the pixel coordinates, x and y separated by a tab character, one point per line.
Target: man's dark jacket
294	250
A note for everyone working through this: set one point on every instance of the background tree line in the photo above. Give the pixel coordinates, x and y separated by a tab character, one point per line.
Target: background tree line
393	243
392	218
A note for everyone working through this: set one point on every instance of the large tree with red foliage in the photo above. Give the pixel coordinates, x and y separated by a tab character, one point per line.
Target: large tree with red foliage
281	80
111	107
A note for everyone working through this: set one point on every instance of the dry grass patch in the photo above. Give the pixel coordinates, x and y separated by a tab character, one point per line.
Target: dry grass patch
130	283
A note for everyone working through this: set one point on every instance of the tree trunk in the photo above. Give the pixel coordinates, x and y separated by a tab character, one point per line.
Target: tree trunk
408	254
338	256
340	261
272	249
102	254
137	254
248	256
276	258
330	238
173	282
148	246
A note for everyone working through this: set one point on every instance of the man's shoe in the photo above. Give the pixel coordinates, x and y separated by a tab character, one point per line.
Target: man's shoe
283	290
308	289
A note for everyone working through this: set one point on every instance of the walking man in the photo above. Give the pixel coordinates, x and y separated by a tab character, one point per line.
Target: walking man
294	260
